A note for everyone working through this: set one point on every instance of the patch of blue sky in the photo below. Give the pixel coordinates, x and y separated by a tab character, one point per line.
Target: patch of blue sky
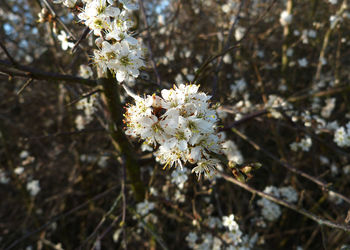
163	4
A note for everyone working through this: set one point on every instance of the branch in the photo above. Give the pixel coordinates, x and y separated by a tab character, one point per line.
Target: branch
291	206
226	46
60	216
120	141
25	71
13	62
321	93
325	186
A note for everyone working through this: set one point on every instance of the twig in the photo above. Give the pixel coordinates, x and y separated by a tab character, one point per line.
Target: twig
246	118
142	8
82	37
65	134
24	86
325	186
13	62
114	205
236	45
123	192
60	216
322	93
226	46
150	230
25	71
94	91
319	220
341	10
285	45
210	59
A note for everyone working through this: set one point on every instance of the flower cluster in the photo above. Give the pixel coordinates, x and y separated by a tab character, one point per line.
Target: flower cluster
33	187
342	136
304	144
231	239
117	50
143	208
86	105
182	123
270	210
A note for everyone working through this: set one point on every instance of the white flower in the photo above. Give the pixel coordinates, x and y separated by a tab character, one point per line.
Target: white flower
143	208
289	194
232	153
304	144
80	122
238	87
33	187
206	167
3	178
179	177
312	33
191	238
272	211
63	38
239	33
303	62
119	34
285	18
342	136
230	223
85	71
19	170
328	108
24	154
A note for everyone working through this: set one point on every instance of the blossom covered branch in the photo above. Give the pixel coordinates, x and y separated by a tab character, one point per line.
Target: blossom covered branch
180	124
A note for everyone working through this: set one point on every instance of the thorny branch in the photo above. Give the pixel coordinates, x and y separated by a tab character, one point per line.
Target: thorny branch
297	209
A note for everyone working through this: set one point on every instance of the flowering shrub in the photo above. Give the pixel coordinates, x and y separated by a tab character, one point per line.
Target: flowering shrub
256	157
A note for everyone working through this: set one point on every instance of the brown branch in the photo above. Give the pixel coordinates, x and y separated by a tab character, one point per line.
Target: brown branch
85	95
60	216
325	186
82	37
8	54
78	132
29	81
111	90
321	221
322	93
25	71
246	118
